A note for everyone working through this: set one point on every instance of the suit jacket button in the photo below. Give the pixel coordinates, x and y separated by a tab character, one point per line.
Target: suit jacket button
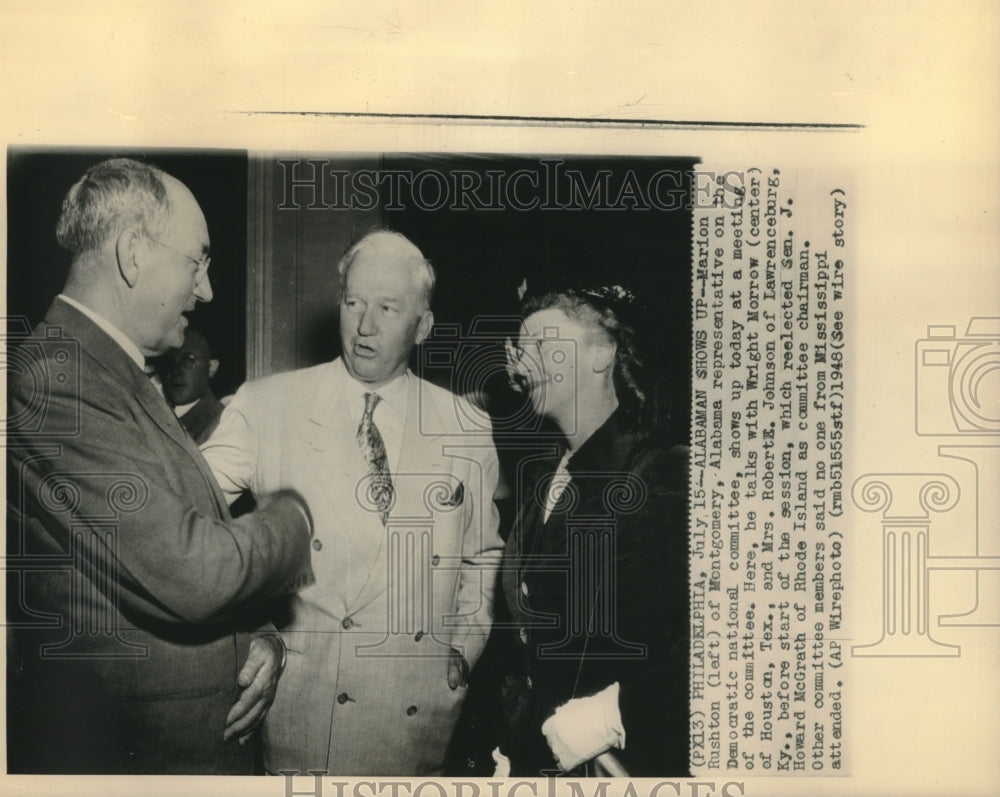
523	633
524	588
317	545
419	636
343	697
435	560
529	683
411	711
347	624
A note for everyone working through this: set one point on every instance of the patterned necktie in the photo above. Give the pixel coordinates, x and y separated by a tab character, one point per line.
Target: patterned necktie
373	450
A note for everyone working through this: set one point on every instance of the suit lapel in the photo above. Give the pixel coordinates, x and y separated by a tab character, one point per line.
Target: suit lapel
120	369
421	456
338	472
325	432
196	419
530	525
421	463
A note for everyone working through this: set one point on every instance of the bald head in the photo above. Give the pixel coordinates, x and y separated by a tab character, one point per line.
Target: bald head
112	196
140	250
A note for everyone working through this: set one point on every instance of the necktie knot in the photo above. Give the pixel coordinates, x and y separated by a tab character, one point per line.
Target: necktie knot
371	402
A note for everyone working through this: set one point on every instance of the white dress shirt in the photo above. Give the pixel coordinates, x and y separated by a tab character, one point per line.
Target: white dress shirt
390	412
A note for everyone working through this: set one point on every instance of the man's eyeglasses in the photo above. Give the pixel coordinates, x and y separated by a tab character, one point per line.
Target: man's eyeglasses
187	361
202	262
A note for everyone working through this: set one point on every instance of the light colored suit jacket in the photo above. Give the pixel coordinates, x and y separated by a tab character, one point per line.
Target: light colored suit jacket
365	690
131	591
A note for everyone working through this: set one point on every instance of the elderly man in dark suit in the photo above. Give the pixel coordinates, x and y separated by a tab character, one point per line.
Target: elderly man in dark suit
132	594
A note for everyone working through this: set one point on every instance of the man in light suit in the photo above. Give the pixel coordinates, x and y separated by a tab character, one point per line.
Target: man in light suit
406	545
131	591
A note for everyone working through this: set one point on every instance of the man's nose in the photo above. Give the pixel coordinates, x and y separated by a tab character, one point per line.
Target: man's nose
203	288
366	324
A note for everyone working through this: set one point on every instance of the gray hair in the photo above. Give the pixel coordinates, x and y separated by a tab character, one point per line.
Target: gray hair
399	245
111	197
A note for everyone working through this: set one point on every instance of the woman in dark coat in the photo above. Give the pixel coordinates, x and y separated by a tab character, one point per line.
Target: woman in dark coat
596	565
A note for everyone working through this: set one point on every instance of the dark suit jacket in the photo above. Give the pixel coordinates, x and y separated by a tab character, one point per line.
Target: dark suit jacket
203	418
599	594
130	589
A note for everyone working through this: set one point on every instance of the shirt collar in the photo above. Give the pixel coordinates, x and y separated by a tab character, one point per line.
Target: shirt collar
394	393
113	332
182	409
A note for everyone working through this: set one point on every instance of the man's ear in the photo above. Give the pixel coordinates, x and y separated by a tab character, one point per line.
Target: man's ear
602	356
126	250
213	366
424	326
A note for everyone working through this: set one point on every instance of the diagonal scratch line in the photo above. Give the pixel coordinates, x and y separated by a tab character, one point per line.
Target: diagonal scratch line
562	121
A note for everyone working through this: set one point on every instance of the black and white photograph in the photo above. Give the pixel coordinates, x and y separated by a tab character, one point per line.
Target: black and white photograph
585	399
497	582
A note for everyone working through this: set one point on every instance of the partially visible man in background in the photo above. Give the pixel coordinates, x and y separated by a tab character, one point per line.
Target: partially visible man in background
131	591
186	375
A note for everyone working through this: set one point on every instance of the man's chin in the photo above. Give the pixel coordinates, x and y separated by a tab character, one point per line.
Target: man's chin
175	338
366	370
